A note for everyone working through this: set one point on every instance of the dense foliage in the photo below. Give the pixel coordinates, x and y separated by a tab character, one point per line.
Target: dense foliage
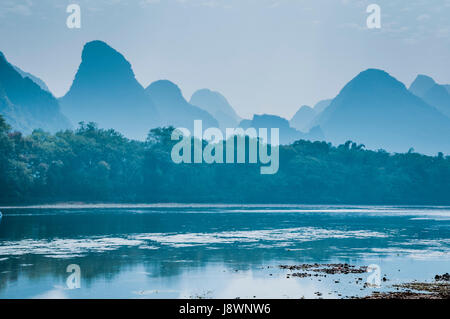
95	165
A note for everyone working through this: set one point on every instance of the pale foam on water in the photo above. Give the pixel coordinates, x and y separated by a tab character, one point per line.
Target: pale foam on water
68	248
301	234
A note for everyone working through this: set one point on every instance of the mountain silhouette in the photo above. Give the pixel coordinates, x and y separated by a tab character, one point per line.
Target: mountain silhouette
216	105
421	85
377	110
438	97
287	134
32	77
303	117
434	94
25	105
173	109
106	91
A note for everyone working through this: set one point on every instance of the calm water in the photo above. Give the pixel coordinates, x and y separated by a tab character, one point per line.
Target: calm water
215	252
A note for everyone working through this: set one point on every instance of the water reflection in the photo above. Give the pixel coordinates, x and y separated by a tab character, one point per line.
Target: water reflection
209	252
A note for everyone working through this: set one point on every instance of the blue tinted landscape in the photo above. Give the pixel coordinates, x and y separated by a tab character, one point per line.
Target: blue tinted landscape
225	149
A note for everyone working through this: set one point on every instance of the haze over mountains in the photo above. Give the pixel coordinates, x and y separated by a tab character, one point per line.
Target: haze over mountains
216	105
377	110
303	117
287	134
373	109
434	94
33	78
106	91
322	105
25	105
173	109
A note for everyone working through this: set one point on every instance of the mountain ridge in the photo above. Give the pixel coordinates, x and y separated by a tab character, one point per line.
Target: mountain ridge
105	91
173	108
25	105
303	117
434	94
218	106
377	110
287	134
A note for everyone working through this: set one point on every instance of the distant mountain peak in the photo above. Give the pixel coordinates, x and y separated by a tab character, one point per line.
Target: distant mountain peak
303	117
376	109
102	64
103	69
266	120
423	77
305	107
374	78
421	85
208	91
221	103
101	53
287	134
433	93
173	107
217	105
98	47
365	84
26	106
165	89
105	90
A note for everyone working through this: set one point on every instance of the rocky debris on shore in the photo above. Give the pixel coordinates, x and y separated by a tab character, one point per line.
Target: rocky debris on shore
444	277
415	290
299	267
440	289
330	269
299	275
341	269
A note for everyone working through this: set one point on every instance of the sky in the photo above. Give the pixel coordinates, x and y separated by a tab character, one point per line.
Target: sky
264	56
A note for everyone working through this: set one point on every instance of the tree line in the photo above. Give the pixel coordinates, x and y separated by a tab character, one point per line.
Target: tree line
97	165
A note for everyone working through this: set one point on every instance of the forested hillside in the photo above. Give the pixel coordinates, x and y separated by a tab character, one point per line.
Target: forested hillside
95	165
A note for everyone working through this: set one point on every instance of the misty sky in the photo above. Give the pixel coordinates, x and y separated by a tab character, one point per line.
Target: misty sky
265	56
